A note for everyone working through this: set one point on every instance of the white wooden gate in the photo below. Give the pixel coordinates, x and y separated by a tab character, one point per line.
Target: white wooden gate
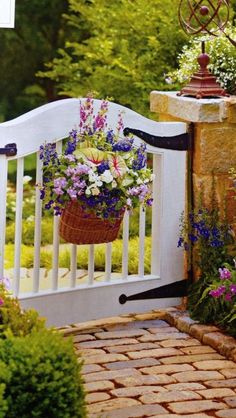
94	299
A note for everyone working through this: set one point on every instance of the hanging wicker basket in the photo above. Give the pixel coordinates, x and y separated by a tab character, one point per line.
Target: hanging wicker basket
79	227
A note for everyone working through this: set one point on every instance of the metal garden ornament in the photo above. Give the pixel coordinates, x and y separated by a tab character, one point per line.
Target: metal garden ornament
204	17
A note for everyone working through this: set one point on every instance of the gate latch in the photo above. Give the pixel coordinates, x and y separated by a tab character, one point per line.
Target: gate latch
9	150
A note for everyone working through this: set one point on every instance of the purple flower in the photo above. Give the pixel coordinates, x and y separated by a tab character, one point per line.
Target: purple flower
110	137
103	167
180	242
141	159
225	273
72	193
49	204
60	182
58	191
124	145
193	238
42	193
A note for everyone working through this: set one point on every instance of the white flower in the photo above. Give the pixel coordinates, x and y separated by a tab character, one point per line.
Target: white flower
94	178
107	177
139	181
114	184
88	191
129	202
26	179
95	191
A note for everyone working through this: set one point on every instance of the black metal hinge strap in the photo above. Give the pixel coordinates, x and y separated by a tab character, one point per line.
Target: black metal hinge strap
9	150
180	142
172	290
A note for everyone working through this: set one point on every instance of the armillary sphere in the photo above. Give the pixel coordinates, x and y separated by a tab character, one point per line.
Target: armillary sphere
203	16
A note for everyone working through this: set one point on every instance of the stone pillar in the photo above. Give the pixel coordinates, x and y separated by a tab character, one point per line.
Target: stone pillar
214	123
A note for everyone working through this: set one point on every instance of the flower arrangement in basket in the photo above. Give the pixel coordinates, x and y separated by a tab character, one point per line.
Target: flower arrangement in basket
99	175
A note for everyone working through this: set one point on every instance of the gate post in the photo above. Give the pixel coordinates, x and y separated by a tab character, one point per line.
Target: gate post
214	151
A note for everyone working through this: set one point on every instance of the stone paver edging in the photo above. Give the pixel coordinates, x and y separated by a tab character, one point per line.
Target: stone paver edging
207	334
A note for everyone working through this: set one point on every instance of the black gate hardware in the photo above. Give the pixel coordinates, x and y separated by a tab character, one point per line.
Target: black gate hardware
180	142
172	290
9	150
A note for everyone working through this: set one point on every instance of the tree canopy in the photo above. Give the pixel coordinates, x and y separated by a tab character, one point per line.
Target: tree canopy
39	31
124	50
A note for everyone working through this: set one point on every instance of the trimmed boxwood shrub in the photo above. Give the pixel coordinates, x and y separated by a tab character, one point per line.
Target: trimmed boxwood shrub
40	377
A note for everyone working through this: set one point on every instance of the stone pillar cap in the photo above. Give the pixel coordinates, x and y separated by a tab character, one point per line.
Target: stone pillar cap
190	109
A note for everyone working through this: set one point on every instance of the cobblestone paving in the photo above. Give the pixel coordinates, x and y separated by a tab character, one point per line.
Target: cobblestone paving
158	364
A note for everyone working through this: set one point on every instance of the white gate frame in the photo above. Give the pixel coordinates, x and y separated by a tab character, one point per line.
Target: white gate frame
52	122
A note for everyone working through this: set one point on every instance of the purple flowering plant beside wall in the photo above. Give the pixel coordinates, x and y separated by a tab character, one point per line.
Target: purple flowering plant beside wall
208	237
209	243
99	167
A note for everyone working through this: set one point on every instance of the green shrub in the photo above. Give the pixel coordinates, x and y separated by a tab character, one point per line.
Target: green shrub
43	377
20	322
28	227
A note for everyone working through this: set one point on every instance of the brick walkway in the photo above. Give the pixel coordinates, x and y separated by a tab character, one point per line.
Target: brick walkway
143	366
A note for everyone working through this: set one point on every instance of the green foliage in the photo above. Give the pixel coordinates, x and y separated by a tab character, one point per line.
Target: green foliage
222	60
39	30
125	51
20	322
40	376
28	201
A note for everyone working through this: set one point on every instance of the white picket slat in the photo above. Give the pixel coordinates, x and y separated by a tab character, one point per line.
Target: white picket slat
73	265
156	215
56	240
37	227
142	221
108	262
18	225
3	204
91	265
125	255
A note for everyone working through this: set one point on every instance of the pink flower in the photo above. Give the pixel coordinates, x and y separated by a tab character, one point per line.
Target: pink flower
1	301
233	288
228	297
217	292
